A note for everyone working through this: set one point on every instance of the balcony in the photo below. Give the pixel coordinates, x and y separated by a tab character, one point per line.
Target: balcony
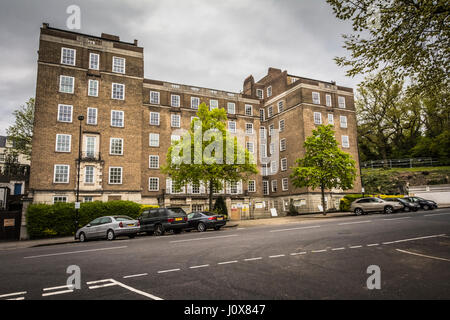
90	156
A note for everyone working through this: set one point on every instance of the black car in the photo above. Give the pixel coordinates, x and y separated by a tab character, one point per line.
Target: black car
407	205
158	221
204	220
423	203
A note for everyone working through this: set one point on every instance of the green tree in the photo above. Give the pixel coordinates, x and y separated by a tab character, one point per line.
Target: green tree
212	155
408	37
324	165
21	132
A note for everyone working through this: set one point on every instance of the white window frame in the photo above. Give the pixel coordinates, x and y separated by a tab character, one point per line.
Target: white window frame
114	152
155	97
89	175
153	161
117	68
151	187
156	135
270	112
248	128
157	116
232	126
59	112
260	93
274	185
251	184
248	110
266	190
269	91
345	141
63	49
61	77
66	144
317	118
343	121
328	100
116	112
213	104
231	107
93	88
89	116
175	100
175	121
195	105
116	94
315	97
281	125
283	144
280	105
341	102
62	199
284	165
109	175
285	184
331	119
54	173
262	114
94	64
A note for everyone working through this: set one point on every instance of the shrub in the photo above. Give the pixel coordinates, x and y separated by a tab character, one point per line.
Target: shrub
220	207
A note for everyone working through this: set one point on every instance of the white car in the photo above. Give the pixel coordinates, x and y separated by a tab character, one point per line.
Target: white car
108	227
365	205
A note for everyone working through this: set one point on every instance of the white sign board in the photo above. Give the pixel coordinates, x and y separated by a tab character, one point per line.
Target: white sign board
273	212
77	205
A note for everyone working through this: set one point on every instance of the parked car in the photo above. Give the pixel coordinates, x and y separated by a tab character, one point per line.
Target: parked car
366	205
201	221
158	221
407	206
108	227
423	203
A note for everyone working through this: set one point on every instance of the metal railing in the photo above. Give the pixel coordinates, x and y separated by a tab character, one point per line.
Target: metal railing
400	163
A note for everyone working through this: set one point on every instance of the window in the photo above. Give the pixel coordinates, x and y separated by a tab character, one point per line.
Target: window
66	84
262	133
317	118
330	119
154	140
232	126
115	175
248	110
116	146
175	120
94	61
59	199
213	104
270	111
63	142
174	100
65	113
88	199
341	102
197	122
118	65
283	164
263	151
250	147
154	97
195	102
117	118
93	88
272	148
89	174
233	187
269	91
90	146
154	118
195	188
345	142
280	106
68	56
260	93
231	108
153	184
118	91
265	187
249	128
316	98
283	144
343	121
251	186
91	116
61	173
273	167
281	125
271	129
261	114
274	185
285	184
153	162
328	100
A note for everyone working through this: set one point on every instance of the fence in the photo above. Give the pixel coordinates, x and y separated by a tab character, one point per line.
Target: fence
401	163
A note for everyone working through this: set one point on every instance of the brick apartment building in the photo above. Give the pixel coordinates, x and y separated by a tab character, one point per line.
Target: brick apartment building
130	121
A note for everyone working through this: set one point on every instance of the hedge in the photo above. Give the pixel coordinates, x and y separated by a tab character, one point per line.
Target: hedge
57	220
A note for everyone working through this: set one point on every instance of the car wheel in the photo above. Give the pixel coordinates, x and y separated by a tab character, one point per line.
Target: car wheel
159	230
359	211
110	235
201	227
426	207
217	228
132	236
82	237
388	210
406	209
177	231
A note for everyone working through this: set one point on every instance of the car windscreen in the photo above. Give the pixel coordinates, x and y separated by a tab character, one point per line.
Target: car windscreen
122	218
209	213
176	211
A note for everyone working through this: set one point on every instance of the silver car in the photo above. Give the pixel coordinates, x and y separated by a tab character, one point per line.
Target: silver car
108	227
365	205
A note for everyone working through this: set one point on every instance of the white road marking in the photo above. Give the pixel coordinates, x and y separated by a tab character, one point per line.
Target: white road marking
170	270
203	238
13	294
60	287
228	262
136	275
338	249
373	244
355	247
277	256
299	228
20	298
253	259
73	252
413	239
298	253
317	251
201	266
56	292
397	218
423	255
356	222
113	282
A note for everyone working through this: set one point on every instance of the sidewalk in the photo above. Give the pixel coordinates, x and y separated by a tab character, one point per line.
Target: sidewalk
11	245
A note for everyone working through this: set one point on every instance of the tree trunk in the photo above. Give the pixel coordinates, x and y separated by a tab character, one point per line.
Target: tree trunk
322	189
211	189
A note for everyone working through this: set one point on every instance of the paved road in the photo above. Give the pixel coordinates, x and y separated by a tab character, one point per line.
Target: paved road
310	260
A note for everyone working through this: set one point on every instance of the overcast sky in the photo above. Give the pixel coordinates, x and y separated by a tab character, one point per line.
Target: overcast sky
208	43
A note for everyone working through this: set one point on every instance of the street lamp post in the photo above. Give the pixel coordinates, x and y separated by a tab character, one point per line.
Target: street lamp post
80	118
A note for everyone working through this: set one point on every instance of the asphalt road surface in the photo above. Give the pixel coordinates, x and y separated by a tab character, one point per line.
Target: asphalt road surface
319	259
